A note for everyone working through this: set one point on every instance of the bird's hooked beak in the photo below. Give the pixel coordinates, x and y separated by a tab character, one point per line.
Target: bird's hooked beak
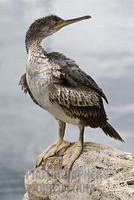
63	23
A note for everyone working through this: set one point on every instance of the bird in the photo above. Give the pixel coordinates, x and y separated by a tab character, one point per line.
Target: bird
57	84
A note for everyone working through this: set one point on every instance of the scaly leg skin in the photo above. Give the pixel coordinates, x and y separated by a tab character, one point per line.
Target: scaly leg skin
56	147
69	158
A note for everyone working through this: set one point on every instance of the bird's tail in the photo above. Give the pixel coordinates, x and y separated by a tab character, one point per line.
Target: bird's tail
110	131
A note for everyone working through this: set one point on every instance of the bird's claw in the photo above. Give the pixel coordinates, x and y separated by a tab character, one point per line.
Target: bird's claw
70	157
51	151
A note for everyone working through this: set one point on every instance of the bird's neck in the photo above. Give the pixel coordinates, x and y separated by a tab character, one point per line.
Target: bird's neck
35	51
33	45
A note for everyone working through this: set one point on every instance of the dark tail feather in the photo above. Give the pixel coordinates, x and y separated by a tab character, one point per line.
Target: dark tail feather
110	131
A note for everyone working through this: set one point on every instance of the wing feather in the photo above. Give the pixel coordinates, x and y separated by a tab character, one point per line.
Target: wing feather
23	83
26	89
69	96
80	103
73	75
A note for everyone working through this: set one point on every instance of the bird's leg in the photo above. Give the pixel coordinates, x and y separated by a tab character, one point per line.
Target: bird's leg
70	157
56	147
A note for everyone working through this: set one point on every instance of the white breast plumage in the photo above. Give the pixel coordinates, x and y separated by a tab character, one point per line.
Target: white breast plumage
38	75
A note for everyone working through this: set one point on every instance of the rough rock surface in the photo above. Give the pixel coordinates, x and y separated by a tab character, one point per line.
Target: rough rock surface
100	173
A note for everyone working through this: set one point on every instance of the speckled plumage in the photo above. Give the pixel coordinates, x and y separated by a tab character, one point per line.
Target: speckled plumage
57	84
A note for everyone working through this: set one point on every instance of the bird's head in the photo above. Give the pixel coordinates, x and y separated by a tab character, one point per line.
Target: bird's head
46	26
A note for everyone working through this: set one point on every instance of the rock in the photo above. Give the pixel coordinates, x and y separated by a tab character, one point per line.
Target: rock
100	173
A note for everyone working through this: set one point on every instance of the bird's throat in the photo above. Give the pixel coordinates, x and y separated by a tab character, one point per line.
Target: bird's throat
33	45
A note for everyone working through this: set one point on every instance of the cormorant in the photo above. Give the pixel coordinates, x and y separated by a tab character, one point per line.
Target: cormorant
57	84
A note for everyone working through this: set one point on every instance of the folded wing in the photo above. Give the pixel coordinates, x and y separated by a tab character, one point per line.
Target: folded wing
86	105
72	75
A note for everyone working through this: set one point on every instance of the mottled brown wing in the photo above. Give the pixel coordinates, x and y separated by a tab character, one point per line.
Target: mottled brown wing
82	103
26	89
72	75
75	76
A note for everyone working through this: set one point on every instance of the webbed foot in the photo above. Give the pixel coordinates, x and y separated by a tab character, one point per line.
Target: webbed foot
51	151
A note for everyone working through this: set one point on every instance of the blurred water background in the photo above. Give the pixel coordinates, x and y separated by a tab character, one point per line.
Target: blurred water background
103	47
